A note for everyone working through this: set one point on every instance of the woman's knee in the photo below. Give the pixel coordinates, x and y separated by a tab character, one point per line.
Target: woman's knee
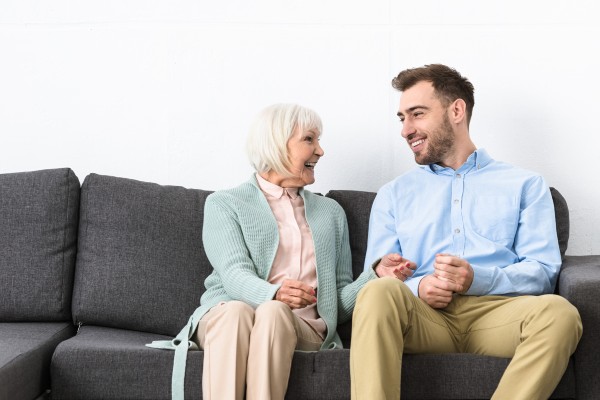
233	313
275	313
232	320
239	308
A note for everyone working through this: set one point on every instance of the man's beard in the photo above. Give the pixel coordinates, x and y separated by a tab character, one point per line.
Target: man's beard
439	144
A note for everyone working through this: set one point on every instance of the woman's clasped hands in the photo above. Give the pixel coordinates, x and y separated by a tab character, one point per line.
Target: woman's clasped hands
296	294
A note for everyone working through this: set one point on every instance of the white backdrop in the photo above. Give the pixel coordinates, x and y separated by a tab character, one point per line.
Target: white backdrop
164	91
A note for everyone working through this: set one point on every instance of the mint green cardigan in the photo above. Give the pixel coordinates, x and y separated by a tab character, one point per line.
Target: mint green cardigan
241	237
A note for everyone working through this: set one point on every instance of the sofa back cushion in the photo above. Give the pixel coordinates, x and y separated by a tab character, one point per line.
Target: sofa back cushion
561	211
357	205
141	264
38	242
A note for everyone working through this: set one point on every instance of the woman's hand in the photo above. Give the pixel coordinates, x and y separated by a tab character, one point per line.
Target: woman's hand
395	266
296	294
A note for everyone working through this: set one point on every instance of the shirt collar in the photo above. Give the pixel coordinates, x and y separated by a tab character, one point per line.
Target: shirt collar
478	160
273	190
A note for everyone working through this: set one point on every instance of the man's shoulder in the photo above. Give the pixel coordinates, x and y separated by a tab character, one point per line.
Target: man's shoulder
407	179
511	171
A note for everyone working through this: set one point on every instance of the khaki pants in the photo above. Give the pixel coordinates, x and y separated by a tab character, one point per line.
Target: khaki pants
539	333
252	348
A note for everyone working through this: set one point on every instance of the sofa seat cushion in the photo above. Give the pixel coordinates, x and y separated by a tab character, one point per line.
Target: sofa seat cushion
38	241
109	363
25	352
326	375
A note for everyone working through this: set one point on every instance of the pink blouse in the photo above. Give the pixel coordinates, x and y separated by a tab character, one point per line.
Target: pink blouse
295	257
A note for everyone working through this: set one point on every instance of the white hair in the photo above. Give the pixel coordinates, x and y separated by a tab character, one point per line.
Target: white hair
266	145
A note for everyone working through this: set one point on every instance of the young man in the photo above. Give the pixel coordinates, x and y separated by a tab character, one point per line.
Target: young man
483	238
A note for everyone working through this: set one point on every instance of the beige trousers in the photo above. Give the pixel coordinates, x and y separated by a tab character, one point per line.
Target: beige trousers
250	351
539	333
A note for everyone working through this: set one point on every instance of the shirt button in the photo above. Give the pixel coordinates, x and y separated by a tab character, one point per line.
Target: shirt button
455	201
457	176
457	230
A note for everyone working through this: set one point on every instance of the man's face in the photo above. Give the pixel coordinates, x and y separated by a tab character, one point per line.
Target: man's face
426	125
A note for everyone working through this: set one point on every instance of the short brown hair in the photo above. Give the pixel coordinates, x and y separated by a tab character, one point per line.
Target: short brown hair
448	84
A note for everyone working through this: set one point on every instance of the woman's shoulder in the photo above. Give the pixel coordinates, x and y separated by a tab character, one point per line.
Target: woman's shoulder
239	194
322	202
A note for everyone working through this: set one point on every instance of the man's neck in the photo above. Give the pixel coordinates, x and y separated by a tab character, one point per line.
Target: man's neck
459	157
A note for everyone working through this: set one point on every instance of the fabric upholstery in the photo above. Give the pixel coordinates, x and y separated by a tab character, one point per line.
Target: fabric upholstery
108	363
25	352
140	263
561	210
139	275
84	367
326	375
38	241
578	282
357	206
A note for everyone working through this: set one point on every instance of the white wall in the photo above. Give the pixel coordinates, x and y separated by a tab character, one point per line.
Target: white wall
164	91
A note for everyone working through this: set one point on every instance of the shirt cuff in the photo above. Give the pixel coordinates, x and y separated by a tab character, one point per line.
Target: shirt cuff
413	284
482	278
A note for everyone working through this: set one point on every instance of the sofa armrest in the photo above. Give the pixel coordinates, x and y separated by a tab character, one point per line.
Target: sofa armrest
579	282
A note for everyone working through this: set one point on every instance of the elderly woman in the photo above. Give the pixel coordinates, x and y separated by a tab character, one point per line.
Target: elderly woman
282	278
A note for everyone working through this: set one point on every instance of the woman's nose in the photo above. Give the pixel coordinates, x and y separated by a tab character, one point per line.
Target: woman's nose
319	150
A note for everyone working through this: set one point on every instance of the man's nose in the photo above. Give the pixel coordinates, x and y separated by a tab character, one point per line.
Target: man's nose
407	129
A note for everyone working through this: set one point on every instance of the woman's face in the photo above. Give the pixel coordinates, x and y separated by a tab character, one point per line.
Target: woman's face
304	151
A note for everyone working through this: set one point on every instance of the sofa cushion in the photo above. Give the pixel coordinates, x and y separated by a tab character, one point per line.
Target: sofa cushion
83	367
357	206
140	263
38	241
561	211
25	352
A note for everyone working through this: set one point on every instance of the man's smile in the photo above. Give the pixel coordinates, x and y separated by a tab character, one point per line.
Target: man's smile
417	142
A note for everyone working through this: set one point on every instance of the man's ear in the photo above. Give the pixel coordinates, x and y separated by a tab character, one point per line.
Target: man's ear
458	111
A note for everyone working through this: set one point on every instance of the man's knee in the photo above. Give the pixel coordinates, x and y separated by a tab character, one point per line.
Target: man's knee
382	288
565	316
382	296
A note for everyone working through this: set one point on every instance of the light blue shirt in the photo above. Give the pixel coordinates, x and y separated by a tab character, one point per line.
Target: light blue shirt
498	217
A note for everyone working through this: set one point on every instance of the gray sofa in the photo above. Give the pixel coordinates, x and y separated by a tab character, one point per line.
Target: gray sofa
91	274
